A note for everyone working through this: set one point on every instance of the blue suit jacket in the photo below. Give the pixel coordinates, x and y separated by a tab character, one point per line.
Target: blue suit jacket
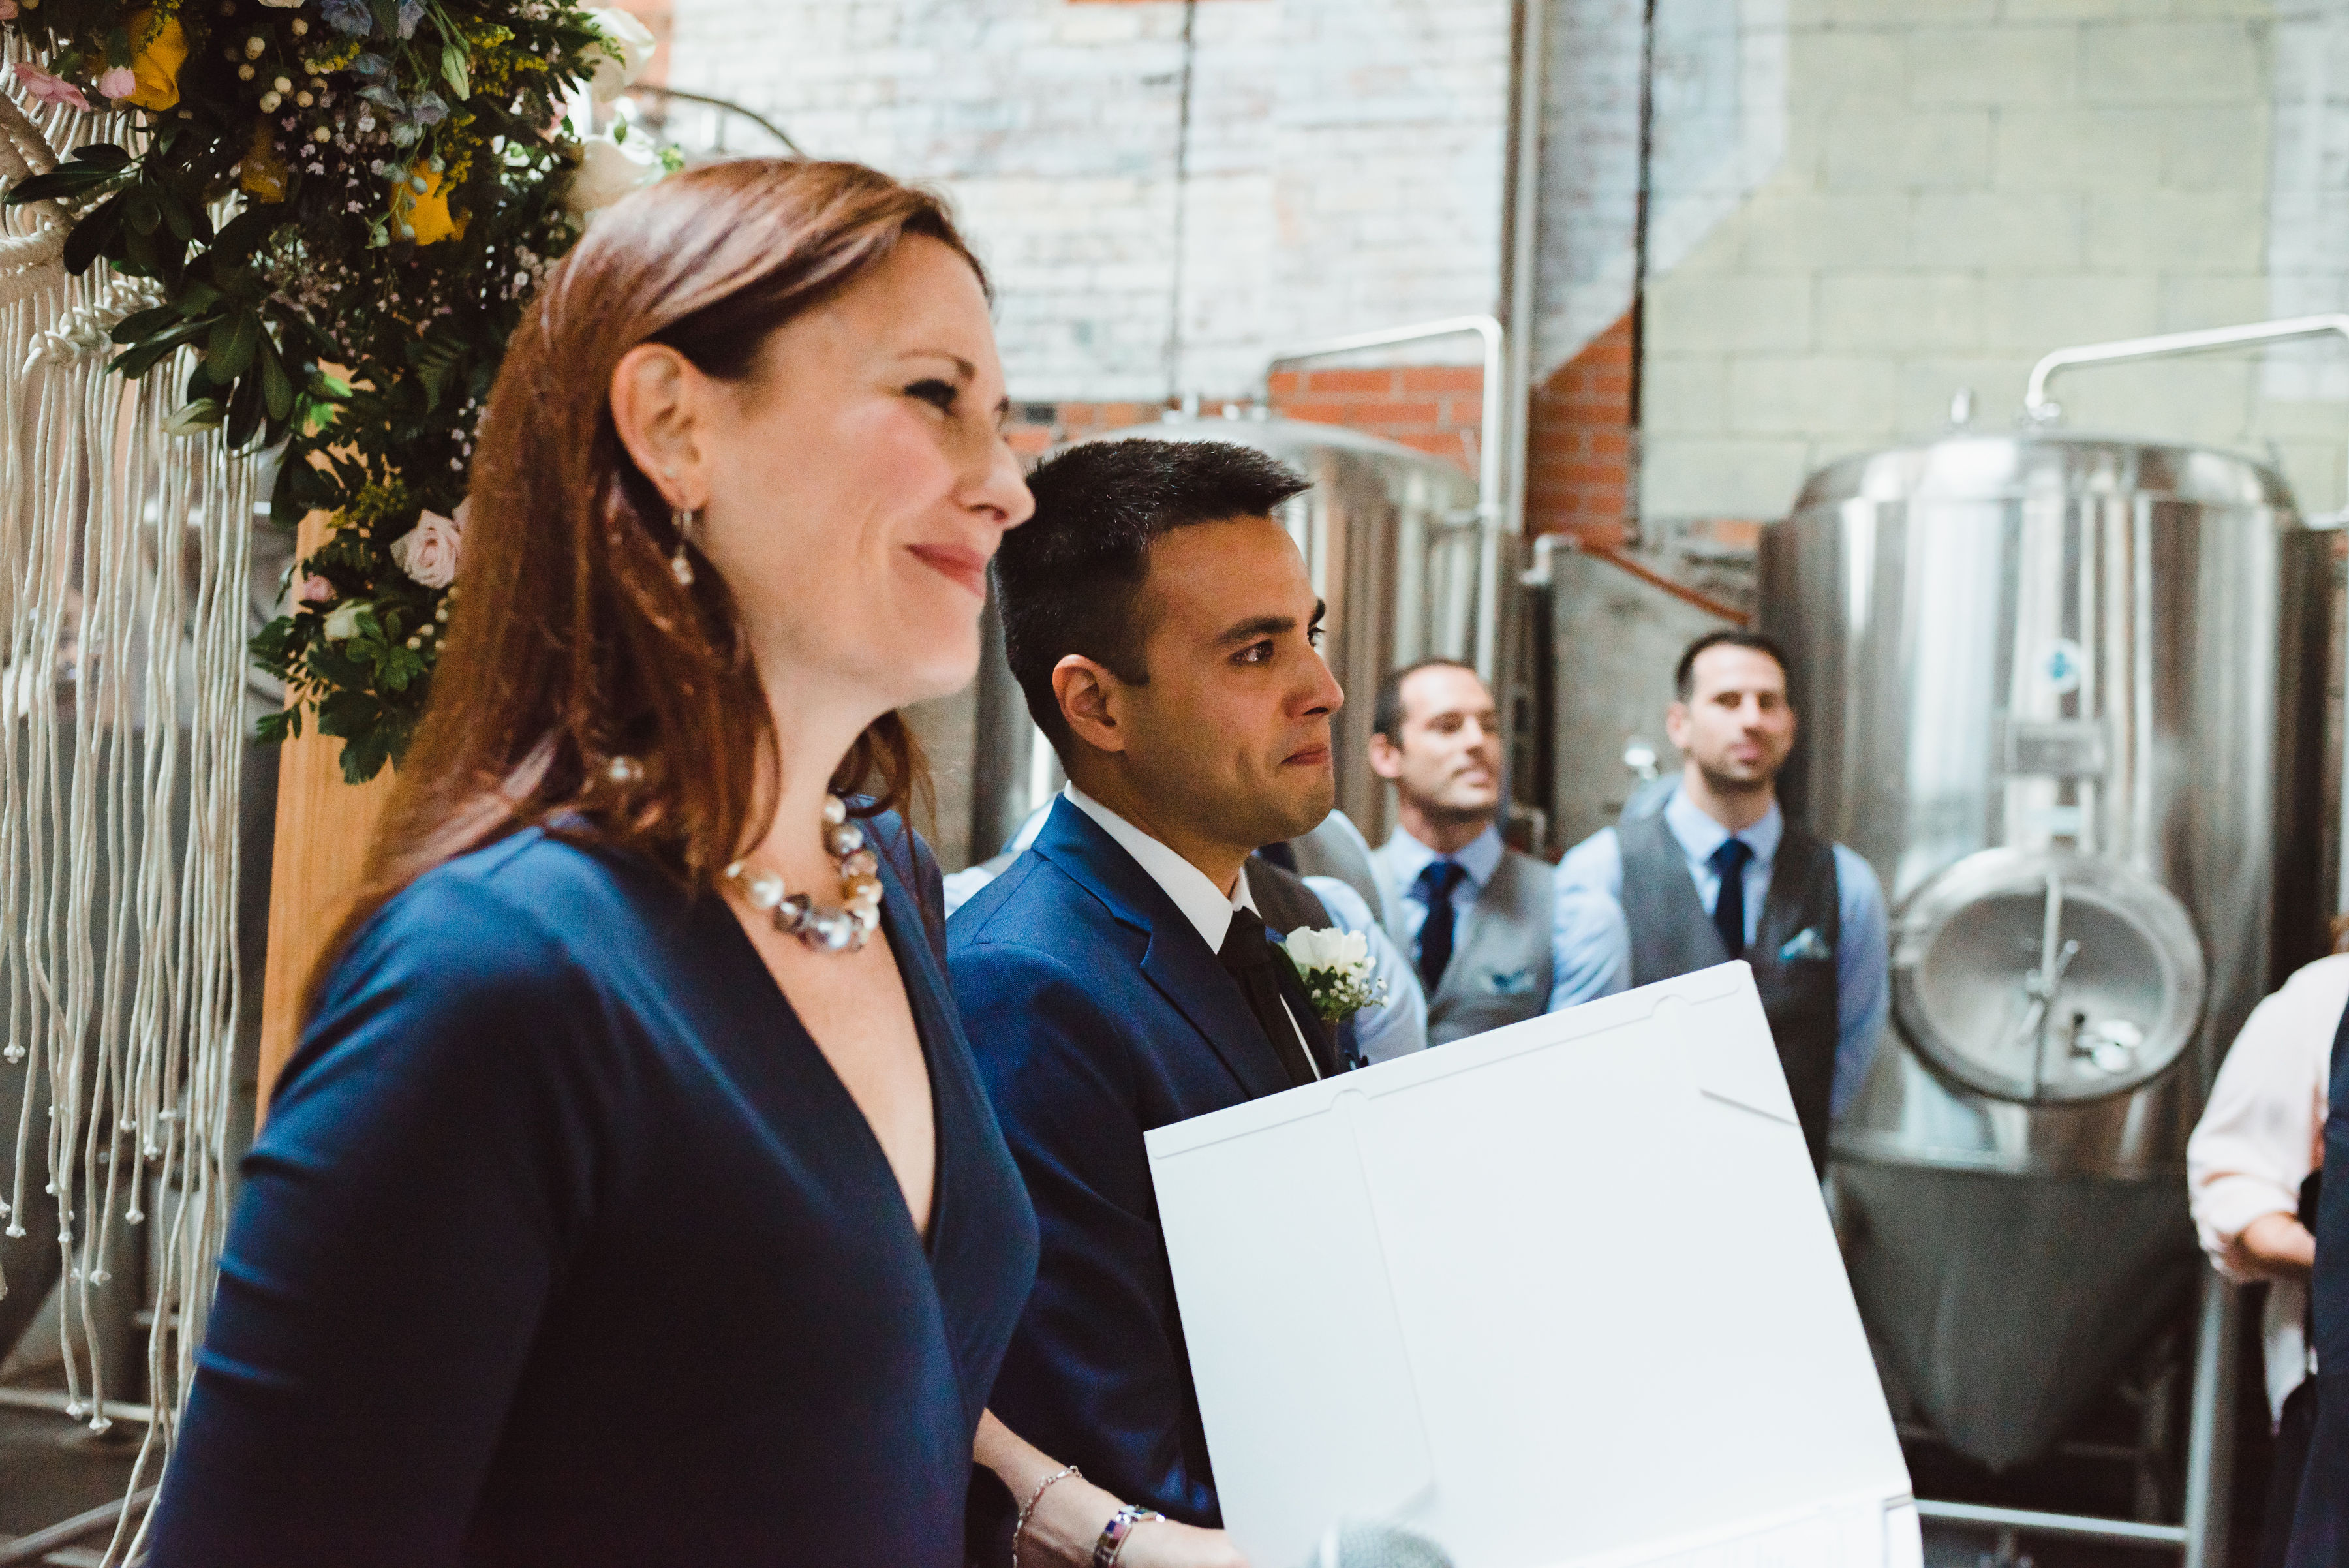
1096	1013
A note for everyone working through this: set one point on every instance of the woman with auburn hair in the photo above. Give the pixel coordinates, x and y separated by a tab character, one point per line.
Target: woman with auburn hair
632	1198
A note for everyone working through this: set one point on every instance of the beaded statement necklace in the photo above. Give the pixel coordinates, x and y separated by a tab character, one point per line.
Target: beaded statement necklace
828	927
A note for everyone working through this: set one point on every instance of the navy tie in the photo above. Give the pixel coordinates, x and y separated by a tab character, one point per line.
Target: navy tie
1436	880
1728	863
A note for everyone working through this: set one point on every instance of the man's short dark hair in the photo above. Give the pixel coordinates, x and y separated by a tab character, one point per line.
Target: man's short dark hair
1066	579
1685	678
1386	712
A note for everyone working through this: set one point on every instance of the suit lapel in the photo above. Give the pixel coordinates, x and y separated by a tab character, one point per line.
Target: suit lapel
1175	962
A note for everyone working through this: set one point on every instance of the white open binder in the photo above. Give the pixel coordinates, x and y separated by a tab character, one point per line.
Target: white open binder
1562	1293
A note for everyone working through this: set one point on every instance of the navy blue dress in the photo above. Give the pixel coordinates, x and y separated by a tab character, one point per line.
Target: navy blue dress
564	1245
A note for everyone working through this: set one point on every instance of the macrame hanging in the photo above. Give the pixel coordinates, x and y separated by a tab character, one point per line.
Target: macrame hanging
123	566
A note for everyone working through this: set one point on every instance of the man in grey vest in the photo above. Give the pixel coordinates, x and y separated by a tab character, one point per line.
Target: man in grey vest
1471	913
1713	871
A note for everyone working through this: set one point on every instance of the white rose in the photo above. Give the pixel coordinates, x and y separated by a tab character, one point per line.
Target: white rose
1326	950
609	170
430	550
627	49
342	620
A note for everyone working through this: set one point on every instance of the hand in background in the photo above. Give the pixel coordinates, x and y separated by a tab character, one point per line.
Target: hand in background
2277	1246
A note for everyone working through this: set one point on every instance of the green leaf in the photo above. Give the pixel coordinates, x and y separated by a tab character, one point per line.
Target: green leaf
230	348
92	235
103	155
66	179
133	363
273	729
144	213
245	411
455	59
198	298
276	388
131	328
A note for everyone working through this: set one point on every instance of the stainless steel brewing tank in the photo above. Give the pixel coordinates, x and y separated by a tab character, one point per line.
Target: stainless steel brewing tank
1391	537
2064	694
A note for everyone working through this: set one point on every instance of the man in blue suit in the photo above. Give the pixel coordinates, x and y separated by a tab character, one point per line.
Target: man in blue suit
1119	976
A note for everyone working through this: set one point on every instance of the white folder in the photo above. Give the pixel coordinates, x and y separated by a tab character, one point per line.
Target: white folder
1562	1293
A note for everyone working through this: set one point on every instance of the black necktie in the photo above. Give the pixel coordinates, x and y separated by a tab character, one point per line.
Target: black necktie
1246	953
1436	880
1728	863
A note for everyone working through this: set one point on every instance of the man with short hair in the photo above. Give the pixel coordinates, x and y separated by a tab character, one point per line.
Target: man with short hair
1472	913
1717	873
1119	975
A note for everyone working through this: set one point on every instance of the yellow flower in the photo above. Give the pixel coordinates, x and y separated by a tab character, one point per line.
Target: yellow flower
160	49
266	173
426	212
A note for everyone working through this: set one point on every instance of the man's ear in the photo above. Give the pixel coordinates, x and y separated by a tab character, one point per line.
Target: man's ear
1386	758
1088	694
1676	725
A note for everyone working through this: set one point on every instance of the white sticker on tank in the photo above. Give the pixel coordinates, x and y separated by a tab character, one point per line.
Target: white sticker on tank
2061	665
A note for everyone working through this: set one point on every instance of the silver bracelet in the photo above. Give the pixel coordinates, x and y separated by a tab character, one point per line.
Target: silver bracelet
1034	1497
1114	1534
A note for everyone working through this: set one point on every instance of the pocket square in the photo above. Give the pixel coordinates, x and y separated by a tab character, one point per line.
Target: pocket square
1508	983
1806	944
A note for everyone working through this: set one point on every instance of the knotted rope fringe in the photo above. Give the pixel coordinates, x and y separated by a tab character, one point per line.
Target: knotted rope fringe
123	564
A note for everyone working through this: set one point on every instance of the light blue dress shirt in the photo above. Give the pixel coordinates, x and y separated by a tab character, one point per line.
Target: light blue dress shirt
1402	858
1590	935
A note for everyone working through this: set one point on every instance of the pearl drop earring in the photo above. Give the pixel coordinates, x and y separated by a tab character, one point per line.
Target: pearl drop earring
678	565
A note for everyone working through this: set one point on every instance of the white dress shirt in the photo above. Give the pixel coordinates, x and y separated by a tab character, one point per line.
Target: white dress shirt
2261	1135
1395	1026
1202	902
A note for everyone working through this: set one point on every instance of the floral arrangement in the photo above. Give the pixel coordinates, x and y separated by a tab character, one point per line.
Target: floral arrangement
1335	966
343	207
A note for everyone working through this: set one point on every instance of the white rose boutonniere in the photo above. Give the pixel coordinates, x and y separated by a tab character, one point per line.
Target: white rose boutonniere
1335	966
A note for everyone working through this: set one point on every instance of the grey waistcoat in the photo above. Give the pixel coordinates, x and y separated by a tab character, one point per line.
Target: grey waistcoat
1500	968
1792	953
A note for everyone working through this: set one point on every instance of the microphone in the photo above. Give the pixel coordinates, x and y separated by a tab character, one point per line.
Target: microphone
1358	1544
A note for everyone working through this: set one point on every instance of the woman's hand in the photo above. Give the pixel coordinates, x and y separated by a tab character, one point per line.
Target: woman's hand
1070	1513
1163	1543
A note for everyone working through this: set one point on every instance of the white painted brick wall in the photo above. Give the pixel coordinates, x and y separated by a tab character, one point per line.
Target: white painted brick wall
1345	161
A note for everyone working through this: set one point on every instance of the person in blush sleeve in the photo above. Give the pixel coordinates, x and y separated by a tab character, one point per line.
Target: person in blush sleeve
2251	1176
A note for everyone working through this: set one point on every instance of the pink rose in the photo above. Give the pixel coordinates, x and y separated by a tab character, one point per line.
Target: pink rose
430	550
7	10
118	83
317	591
47	89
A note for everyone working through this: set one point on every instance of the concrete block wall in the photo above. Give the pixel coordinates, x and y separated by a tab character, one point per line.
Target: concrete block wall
1343	167
1968	183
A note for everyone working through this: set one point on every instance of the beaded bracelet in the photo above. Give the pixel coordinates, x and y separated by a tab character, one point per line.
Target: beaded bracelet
1034	1497
1113	1534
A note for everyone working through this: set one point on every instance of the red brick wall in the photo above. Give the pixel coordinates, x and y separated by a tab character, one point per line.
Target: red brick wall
1435	408
1579	441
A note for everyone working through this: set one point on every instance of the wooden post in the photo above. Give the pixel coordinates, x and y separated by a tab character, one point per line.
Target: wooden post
324	826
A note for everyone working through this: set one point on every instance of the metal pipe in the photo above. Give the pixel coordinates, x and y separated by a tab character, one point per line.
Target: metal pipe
1491	446
2128	1530
2211	1428
2039	410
